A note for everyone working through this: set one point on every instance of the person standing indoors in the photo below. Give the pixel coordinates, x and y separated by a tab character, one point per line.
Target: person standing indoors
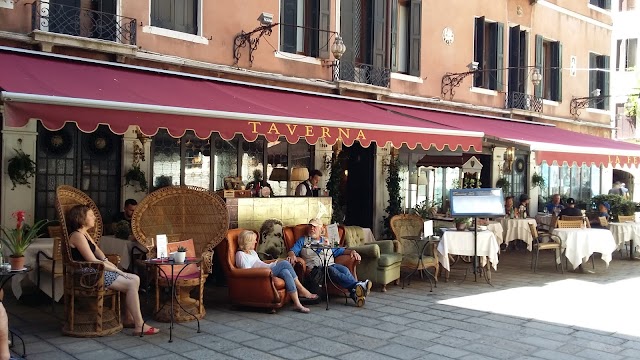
309	187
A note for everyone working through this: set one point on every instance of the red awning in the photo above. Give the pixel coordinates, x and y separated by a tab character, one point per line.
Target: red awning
550	143
58	90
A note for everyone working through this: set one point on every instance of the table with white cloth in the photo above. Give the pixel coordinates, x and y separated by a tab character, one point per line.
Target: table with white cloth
121	247
518	229
579	244
626	231
544	219
496	228
462	243
19	281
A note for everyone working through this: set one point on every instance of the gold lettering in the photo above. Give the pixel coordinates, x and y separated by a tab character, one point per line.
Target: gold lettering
628	159
617	159
325	132
344	132
610	161
255	125
291	131
273	129
309	130
360	135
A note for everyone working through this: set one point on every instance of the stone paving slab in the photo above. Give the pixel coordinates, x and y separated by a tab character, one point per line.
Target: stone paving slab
524	316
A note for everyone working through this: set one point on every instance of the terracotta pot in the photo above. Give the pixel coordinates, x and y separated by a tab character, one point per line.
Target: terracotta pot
17	263
461	226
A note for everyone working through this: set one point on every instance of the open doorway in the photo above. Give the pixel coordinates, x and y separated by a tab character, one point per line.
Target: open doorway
624	178
360	187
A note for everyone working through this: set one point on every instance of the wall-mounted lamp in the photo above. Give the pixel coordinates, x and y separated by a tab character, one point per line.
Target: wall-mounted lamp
138	150
509	157
450	81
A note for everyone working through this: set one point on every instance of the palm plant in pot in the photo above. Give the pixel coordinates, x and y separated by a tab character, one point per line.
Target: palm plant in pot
18	239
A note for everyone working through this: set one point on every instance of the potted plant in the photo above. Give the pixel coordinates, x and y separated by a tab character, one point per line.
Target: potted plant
136	175
163	181
537	181
18	239
122	229
503	183
461	223
180	255
20	169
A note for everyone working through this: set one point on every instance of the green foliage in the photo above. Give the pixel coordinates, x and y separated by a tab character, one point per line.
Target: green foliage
136	175
462	220
18	239
20	169
162	181
631	107
338	199
504	183
182	249
424	208
619	205
122	230
537	181
395	201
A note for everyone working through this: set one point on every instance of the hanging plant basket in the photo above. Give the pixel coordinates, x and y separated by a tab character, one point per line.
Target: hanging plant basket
21	168
504	184
537	181
136	175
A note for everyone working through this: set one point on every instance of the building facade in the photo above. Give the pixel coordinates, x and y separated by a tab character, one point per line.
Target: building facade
515	66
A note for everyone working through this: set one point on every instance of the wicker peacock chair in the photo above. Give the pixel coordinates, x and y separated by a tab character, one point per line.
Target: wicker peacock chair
182	213
84	291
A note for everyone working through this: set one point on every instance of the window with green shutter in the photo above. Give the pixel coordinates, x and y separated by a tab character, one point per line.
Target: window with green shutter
605	4
549	61
599	79
489	54
304	26
177	15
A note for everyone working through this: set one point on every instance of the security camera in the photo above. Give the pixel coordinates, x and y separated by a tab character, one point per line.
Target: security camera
265	19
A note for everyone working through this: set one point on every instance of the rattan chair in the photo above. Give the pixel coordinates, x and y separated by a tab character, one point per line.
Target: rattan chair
412	225
51	264
576	218
626	218
84	292
182	212
538	244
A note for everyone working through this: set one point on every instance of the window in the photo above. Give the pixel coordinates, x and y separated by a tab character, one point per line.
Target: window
605	4
489	54
299	24
579	182
626	51
626	5
549	61
380	36
599	79
178	15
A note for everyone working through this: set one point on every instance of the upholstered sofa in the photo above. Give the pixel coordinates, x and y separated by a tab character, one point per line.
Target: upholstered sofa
380	260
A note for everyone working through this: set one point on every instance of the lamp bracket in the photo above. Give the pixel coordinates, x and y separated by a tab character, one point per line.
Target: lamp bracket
578	103
450	81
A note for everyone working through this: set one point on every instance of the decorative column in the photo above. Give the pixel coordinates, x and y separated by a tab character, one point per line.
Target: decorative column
135	152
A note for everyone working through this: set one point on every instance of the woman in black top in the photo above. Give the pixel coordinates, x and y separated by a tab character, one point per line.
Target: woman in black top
83	248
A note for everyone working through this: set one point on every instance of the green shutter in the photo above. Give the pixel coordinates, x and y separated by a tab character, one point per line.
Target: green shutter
311	35
414	37
478	50
539	64
593	74
379	31
500	57
348	33
491	79
288	34
606	83
325	23
558	72
607	4
394	35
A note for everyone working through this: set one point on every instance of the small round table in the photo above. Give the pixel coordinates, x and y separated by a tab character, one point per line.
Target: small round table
420	263
174	279
327	250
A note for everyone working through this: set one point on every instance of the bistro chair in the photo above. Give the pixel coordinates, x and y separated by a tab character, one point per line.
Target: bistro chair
555	244
576	218
51	264
626	218
412	225
193	217
85	296
573	224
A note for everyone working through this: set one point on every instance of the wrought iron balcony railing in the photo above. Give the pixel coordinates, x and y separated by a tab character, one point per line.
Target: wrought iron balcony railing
364	74
71	20
517	100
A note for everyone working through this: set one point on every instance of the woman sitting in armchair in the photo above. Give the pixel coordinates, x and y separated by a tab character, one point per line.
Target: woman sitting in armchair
247	258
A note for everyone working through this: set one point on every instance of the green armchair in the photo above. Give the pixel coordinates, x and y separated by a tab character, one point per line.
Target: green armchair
380	260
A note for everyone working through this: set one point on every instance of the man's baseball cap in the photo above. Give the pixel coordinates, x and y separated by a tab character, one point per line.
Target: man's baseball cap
316	222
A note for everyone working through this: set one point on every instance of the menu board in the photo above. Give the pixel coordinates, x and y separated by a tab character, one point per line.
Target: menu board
477	202
332	233
161	246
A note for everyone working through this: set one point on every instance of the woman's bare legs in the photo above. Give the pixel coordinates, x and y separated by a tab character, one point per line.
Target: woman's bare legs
296	302
129	285
303	290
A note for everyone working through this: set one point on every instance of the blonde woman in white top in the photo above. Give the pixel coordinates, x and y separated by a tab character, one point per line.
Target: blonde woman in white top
247	258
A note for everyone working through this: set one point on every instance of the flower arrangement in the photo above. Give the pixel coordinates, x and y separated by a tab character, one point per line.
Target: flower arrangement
19	238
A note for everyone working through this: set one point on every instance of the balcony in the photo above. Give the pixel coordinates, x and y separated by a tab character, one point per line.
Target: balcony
364	74
517	100
80	22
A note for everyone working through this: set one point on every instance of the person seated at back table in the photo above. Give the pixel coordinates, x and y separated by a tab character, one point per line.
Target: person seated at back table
603	211
508	207
571	209
338	273
247	258
555	204
523	206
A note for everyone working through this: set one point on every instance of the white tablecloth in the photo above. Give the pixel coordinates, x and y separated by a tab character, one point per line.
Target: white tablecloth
543	219
461	243
518	229
580	244
623	232
497	230
113	245
17	282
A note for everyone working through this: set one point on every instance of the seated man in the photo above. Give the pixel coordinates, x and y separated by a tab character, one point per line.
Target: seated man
555	206
571	209
338	273
129	207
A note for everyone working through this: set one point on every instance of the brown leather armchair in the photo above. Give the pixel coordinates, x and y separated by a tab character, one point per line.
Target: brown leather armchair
293	233
250	287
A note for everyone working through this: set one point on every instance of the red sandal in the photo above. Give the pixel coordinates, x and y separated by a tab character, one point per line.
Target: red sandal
150	331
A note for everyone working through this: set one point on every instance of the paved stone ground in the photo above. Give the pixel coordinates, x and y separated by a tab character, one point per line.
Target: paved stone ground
525	315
